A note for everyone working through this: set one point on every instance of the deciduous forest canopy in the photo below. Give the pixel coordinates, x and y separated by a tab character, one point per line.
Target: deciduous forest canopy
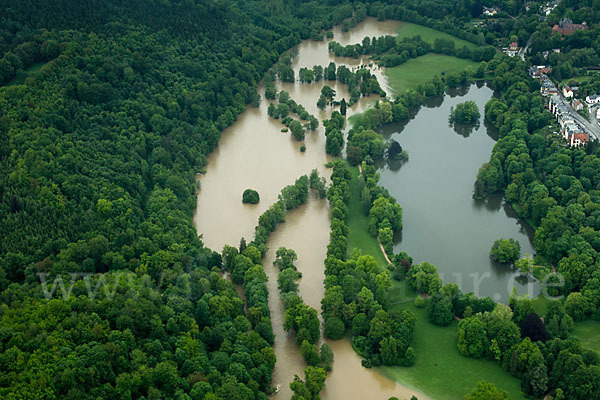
109	109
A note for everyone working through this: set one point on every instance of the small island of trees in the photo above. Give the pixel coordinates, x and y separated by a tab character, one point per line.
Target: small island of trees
505	250
464	113
250	196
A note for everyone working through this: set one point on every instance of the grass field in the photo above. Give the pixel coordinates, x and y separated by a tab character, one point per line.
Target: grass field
440	371
358	224
408	29
419	70
589	334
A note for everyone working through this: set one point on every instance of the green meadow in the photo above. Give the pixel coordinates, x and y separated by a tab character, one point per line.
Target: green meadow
408	29
419	70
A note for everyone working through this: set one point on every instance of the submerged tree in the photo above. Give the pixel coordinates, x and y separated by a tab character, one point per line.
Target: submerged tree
464	113
250	196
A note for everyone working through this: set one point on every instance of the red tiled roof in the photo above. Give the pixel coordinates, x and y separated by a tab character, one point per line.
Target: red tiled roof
583	137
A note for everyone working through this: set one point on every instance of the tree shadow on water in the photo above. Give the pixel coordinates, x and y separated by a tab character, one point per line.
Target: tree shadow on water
465	130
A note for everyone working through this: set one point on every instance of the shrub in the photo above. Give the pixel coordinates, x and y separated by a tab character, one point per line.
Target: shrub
250	196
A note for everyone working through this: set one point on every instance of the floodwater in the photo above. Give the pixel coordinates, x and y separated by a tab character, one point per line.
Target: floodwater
442	223
253	153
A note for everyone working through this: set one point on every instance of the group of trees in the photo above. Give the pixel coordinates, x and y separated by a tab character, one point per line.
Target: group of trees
303	319
391	52
360	83
134	338
554	187
464	113
287	105
356	291
385	214
541	358
540	352
505	250
334	137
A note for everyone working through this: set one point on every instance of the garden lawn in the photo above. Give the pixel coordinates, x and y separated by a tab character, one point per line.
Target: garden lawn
358	224
589	334
408	29
419	70
440	371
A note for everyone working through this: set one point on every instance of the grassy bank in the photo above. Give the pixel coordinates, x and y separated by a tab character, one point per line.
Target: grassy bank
440	371
419	70
359	237
589	334
408	29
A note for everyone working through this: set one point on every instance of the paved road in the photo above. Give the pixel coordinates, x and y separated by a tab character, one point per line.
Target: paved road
524	49
590	127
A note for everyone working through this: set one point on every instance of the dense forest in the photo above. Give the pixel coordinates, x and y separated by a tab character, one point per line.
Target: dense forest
99	150
108	110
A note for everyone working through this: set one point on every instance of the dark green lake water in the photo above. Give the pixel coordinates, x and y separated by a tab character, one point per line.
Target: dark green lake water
442	223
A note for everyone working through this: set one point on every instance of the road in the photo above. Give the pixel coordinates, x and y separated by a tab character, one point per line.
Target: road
523	50
590	127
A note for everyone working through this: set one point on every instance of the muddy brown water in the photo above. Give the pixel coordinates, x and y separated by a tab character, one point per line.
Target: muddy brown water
254	153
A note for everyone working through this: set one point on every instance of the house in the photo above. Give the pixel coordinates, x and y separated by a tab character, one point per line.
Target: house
490	11
579	139
567	92
548	88
577	105
593	99
567	27
514	46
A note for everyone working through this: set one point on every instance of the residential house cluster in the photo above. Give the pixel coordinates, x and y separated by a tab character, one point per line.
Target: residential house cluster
570	130
550	7
547	88
547	9
538	70
567	27
593	99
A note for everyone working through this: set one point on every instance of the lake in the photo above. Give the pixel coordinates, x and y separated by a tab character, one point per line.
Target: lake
442	223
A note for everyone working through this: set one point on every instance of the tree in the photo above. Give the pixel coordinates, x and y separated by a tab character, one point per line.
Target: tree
322	102
326	356
439	310
472	338
328	93
486	391
250	196
578	306
310	353
297	130
334	328
464	113
533	327
525	265
343	107
505	250
285	258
